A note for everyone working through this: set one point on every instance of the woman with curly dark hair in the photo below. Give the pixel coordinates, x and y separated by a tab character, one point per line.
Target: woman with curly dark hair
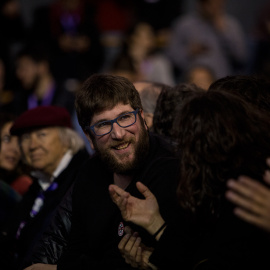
220	137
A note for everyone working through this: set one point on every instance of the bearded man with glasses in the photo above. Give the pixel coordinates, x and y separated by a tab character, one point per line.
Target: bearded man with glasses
110	112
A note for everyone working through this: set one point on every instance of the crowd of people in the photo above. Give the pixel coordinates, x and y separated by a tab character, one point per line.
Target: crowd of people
147	147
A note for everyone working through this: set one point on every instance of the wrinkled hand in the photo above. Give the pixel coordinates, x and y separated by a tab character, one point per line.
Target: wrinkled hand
134	251
41	266
252	199
143	212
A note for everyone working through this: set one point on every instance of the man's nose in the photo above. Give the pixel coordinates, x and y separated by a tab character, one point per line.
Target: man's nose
33	141
117	131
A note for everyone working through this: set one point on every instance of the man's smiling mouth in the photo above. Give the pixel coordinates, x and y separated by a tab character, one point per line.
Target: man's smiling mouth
121	146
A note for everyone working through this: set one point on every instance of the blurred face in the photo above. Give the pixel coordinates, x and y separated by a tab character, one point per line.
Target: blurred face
10	151
201	77
212	8
140	86
122	149
144	36
43	149
27	72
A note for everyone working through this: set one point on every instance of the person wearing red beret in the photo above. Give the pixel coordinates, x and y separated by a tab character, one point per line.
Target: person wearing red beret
55	152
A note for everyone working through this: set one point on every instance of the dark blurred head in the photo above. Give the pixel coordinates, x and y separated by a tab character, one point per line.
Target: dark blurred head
220	137
252	88
168	102
32	62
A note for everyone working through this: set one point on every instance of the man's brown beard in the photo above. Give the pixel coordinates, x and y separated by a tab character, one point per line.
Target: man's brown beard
141	151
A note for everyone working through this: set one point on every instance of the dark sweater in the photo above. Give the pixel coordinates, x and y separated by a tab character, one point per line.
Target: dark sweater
96	221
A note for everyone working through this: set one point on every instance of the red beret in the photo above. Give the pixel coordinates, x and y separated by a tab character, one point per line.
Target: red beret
41	116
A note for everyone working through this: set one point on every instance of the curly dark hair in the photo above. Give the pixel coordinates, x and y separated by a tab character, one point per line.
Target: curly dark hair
168	102
220	137
253	88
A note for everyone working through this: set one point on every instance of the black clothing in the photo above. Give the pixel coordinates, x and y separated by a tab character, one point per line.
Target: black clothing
97	225
34	227
55	239
223	243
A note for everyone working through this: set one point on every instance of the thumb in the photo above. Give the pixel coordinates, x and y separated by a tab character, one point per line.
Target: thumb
144	190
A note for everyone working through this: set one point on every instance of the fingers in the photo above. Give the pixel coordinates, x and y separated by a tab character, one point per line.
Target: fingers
118	196
128	230
252	200
116	191
266	177
246	190
41	266
129	248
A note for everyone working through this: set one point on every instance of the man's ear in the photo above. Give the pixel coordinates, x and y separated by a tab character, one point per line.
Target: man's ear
89	139
142	115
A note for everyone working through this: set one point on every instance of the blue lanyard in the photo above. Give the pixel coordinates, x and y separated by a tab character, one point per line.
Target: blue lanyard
38	203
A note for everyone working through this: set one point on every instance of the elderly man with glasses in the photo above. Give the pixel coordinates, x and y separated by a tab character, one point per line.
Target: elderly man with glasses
110	112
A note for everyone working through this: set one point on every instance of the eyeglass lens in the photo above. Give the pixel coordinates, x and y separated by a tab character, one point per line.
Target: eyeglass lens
123	121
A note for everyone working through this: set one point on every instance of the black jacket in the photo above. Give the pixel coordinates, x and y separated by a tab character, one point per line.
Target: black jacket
222	243
54	240
97	225
32	231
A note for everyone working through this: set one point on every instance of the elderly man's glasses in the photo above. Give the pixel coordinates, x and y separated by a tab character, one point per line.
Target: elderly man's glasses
105	127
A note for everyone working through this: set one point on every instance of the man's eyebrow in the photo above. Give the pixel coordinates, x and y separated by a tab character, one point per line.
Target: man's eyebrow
105	119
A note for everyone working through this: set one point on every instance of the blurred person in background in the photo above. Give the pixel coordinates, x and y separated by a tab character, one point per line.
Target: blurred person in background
36	82
77	50
201	75
150	11
12	169
13	32
149	92
14	174
124	65
6	92
140	44
55	152
208	36
113	18
260	40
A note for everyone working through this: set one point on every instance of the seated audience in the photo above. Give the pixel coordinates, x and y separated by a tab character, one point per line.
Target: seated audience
13	171
55	152
140	45
14	175
208	36
37	83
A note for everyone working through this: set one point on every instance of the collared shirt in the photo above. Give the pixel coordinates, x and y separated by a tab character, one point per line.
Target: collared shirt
45	180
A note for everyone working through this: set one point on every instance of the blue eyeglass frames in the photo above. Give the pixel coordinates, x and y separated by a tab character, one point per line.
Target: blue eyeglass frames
105	127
